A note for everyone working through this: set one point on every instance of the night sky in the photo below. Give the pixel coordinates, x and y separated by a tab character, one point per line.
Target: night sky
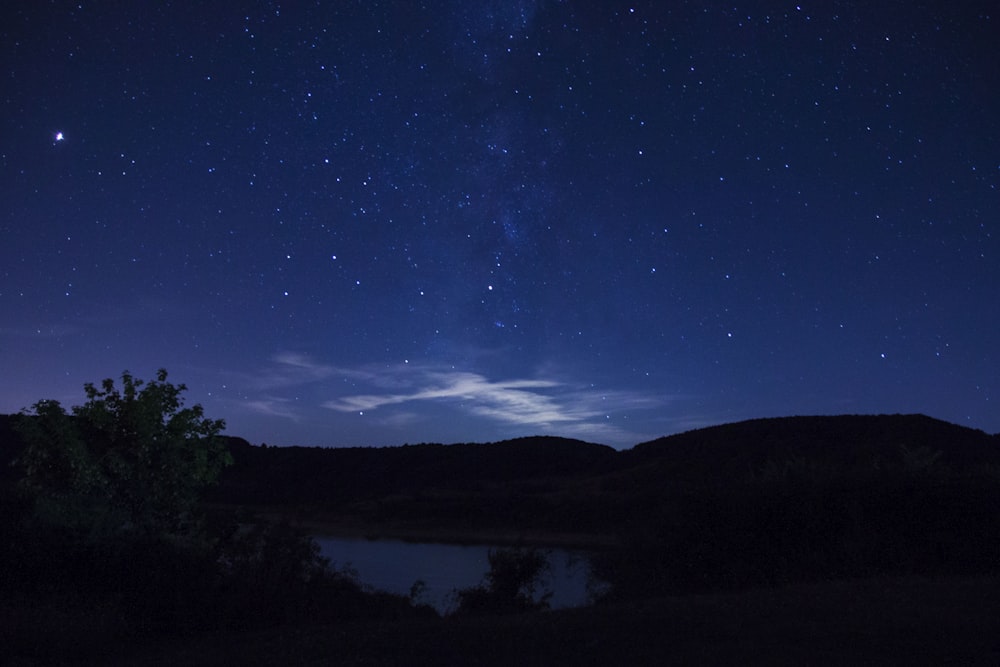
371	223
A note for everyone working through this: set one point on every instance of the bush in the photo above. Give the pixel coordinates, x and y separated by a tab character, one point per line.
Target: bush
510	585
127	461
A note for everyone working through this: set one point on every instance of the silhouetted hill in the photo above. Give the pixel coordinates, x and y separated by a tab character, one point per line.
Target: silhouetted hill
836	437
765	502
311	475
771	501
846	441
559	483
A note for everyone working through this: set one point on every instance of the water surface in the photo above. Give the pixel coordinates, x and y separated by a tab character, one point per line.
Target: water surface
395	565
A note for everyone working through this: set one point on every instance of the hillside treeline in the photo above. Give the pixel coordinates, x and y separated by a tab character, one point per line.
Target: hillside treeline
753	503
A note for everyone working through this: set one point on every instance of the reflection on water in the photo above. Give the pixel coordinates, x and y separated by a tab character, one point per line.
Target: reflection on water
394	566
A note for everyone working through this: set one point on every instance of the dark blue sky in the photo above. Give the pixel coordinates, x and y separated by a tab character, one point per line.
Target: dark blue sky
376	223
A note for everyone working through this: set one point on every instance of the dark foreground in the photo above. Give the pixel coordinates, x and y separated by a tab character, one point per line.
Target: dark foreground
902	621
894	520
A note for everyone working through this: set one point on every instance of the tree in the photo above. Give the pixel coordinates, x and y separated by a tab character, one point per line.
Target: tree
132	460
510	584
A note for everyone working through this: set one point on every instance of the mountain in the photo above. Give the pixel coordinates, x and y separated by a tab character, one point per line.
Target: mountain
558	484
836	437
845	441
755	503
317	474
549	483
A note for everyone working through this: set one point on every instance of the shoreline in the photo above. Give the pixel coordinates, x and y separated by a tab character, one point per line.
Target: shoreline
354	528
510	538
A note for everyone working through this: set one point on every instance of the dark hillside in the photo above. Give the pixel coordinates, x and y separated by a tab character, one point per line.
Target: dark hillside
316	475
772	501
571	486
561	485
854	442
760	502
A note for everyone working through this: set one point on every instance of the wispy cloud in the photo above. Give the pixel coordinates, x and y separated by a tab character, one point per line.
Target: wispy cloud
412	396
291	369
514	400
543	404
272	407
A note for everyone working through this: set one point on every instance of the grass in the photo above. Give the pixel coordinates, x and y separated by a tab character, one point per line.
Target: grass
909	621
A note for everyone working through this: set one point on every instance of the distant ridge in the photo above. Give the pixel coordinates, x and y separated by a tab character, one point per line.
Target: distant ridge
850	440
553	486
320	476
300	474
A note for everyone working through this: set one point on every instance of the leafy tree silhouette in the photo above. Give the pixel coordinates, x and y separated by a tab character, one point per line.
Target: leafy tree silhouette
128	461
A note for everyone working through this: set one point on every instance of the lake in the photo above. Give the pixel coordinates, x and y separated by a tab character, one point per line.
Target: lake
394	566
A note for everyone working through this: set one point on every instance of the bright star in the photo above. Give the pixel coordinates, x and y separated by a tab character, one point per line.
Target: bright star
58	136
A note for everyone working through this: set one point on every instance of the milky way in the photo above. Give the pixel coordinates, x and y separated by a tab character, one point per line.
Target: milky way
378	223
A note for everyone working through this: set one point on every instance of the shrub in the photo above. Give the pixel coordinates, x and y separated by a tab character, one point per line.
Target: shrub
127	461
510	584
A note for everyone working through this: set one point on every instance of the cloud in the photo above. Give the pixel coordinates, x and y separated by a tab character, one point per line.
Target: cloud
508	396
294	368
410	397
543	404
272	407
291	369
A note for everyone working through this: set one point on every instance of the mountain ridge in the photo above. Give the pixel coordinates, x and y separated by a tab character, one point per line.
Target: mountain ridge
546	485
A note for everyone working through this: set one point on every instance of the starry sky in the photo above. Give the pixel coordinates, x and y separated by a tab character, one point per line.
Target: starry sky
372	223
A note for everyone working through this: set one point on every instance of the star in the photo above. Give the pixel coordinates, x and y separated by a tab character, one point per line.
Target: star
637	214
